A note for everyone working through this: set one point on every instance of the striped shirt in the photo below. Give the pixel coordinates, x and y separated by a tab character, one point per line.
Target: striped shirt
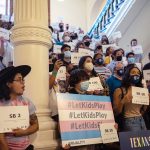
103	71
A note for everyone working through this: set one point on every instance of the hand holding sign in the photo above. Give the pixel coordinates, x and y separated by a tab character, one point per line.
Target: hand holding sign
140	96
137	49
61	75
146	75
95	84
10	121
18	132
108	133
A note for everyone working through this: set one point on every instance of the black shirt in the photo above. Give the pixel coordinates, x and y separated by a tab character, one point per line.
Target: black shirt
146	66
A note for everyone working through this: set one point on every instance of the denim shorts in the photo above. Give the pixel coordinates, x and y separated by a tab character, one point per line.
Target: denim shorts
134	124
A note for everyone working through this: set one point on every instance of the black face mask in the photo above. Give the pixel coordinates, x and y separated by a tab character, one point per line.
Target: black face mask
134	79
120	72
99	61
87	44
61	28
119	58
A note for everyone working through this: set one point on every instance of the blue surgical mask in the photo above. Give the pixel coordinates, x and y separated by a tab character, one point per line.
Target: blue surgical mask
134	79
84	86
131	60
67	54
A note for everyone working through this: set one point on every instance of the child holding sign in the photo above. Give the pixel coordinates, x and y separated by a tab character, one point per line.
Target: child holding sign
11	100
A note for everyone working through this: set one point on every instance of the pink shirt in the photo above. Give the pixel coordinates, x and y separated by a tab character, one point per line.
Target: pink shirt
18	143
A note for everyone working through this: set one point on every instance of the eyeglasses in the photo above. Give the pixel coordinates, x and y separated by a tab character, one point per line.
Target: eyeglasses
20	80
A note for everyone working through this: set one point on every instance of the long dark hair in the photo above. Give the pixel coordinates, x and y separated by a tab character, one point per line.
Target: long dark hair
76	76
82	61
5	90
126	81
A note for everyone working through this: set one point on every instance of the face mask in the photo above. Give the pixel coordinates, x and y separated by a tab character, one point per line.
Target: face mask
120	72
87	44
84	86
66	38
131	60
67	54
89	66
134	79
119	58
99	61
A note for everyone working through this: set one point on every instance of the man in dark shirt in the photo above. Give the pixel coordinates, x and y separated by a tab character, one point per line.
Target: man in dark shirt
147	66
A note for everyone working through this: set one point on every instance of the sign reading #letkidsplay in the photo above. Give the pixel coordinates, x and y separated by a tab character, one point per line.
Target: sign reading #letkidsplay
13	117
80	117
139	140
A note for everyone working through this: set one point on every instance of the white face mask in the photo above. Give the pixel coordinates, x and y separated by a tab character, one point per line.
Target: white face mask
67	54
89	66
66	38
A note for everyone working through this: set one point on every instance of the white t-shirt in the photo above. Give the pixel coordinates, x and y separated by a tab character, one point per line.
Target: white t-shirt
8	53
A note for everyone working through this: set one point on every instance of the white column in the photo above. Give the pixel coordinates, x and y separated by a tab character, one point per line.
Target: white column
32	39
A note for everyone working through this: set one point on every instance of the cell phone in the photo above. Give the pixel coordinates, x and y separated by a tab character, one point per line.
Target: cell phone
61	57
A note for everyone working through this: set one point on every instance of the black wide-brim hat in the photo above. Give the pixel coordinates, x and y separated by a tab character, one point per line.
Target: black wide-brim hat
8	72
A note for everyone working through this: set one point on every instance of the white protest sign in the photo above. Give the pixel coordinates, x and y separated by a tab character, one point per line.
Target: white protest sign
116	35
80	37
61	75
137	49
95	84
60	36
140	95
108	133
13	117
86	52
57	49
80	117
71	44
4	33
109	45
54	36
75	58
146	75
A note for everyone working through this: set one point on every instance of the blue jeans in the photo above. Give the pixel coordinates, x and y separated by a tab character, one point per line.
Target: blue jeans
134	124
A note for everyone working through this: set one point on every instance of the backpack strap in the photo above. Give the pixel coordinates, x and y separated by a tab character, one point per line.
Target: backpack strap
123	92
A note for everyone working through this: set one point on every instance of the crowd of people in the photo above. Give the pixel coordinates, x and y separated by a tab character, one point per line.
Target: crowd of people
118	70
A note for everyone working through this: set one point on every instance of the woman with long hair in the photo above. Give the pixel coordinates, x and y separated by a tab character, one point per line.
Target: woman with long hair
131	113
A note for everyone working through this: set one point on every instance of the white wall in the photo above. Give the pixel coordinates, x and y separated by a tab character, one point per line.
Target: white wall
137	25
94	7
79	13
71	11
